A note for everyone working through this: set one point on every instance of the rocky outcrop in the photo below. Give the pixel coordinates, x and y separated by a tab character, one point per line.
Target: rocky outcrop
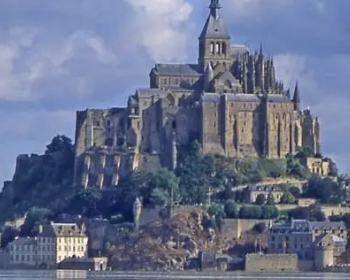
165	245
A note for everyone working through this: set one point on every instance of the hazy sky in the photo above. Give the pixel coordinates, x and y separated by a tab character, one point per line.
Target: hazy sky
57	57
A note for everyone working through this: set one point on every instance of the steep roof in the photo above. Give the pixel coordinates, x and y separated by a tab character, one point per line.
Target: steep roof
62	230
177	69
327	225
214	28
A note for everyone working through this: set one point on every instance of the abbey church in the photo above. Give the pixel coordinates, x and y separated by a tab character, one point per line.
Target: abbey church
230	101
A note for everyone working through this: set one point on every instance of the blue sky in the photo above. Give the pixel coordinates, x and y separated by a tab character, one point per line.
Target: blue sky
57	57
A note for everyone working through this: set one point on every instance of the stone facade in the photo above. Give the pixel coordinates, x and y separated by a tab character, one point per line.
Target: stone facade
317	166
252	193
230	101
271	262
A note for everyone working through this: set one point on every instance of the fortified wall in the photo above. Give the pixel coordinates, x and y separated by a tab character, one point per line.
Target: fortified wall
271	262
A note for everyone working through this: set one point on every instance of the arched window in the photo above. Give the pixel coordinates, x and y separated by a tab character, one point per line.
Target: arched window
217	48
212	47
223	48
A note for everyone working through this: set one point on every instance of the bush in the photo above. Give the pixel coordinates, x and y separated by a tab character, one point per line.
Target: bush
270	199
269	212
295	191
288	198
250	212
231	209
260	200
260	228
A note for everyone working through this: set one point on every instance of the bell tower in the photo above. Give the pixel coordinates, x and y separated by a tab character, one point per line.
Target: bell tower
214	41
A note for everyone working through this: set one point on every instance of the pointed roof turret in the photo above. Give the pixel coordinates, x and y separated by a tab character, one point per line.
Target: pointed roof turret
214	26
296	97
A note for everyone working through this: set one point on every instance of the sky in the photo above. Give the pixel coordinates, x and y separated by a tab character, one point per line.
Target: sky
57	57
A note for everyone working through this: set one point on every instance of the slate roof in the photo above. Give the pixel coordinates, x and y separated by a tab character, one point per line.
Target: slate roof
178	69
296	226
214	28
242	97
327	225
278	98
267	188
149	92
239	50
24	241
62	230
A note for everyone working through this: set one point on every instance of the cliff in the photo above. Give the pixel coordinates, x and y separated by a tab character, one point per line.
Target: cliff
39	179
168	245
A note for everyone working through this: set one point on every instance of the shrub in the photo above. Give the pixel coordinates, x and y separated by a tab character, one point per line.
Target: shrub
260	200
231	209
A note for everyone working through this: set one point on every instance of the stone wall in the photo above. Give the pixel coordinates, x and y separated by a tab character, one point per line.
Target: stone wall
271	262
235	227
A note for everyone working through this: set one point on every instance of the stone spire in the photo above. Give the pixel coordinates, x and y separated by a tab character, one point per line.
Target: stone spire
296	97
214	8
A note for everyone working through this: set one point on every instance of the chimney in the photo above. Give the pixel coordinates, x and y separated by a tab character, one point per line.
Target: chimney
41	228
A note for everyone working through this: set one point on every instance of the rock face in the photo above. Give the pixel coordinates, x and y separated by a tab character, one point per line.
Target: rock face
166	245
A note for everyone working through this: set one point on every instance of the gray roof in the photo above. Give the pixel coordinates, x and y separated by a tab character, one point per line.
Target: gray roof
267	188
239	50
215	97
328	225
178	69
278	98
214	28
148	92
242	97
62	230
24	241
296	226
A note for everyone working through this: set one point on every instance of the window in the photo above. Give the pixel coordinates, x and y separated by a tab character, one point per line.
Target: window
223	48
217	48
212	47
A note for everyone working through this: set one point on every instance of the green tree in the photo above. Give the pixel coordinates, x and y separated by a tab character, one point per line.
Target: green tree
269	212
295	191
287	198
250	212
165	184
261	199
216	210
231	209
270	199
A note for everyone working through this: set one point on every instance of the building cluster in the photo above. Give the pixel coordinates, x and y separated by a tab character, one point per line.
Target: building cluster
229	101
324	243
58	245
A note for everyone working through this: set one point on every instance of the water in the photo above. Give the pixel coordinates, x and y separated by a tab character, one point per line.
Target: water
53	275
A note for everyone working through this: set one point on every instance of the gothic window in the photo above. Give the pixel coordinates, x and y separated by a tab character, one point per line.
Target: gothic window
223	48
212	47
217	48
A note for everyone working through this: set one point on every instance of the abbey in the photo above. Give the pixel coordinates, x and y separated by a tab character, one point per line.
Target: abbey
230	101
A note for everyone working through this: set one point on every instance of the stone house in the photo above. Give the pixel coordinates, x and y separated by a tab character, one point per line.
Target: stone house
23	253
317	166
251	193
292	238
335	228
329	250
59	241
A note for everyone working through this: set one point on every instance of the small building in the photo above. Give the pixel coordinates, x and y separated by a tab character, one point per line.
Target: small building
335	228
93	264
306	202
217	262
329	250
292	238
251	193
23	253
317	166
58	241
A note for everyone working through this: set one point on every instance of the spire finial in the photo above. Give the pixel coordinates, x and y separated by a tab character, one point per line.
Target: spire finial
214	8
261	49
296	97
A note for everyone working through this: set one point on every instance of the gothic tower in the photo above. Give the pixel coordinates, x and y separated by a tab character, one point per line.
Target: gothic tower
214	41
